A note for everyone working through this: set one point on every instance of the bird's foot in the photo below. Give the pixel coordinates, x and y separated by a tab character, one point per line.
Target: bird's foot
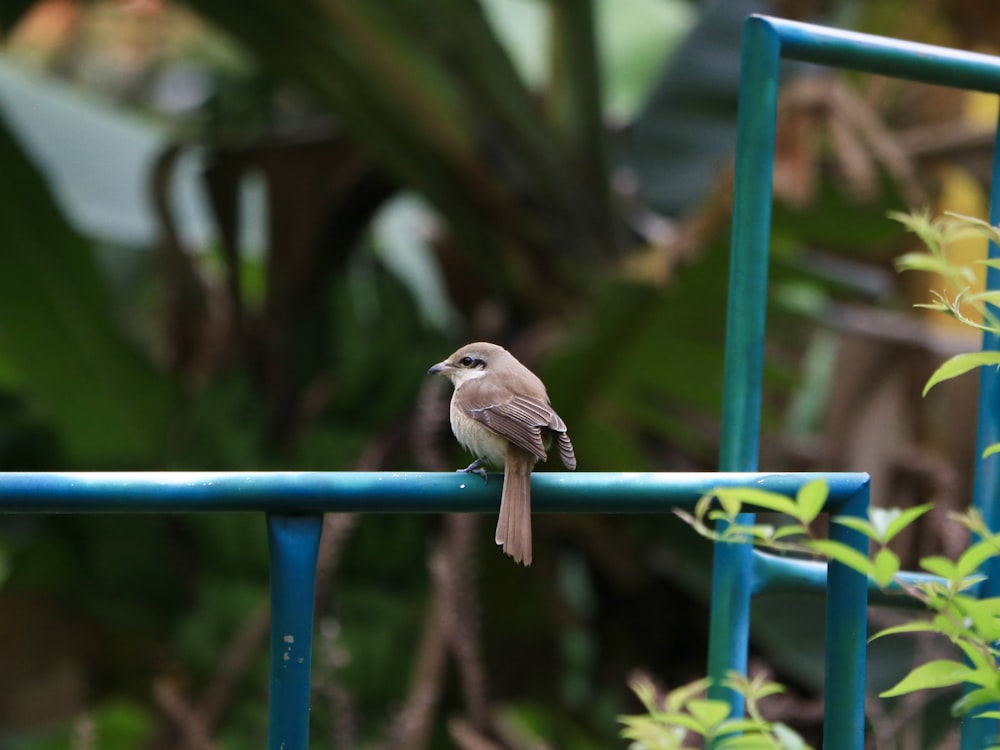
476	467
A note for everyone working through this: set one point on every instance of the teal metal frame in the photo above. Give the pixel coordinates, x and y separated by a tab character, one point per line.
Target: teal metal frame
766	41
294	503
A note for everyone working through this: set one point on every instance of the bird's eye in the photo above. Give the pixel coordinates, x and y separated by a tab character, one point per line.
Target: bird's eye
466	361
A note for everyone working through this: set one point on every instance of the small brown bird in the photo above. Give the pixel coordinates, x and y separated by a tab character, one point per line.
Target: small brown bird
500	413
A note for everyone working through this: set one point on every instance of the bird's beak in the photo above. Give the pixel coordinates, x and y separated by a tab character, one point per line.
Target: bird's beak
438	368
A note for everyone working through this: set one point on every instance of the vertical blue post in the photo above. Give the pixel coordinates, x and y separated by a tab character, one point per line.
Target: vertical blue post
846	638
729	632
294	547
980	733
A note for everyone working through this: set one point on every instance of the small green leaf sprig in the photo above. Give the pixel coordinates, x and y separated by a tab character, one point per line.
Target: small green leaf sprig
686	714
979	310
971	623
728	503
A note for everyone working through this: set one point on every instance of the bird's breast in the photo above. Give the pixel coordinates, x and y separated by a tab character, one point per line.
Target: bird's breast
476	438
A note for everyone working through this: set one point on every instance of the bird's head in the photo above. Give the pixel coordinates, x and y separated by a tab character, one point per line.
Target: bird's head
471	361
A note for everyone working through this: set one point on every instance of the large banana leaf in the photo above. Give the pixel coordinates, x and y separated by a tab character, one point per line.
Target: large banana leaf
58	336
687	130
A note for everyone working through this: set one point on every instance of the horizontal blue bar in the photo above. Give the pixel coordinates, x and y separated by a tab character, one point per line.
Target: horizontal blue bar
884	56
772	573
379	492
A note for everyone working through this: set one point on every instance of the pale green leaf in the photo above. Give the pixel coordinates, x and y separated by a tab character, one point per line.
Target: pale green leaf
881	518
913	221
989	714
904	518
792	529
974	699
886	565
741	725
961	364
970	560
860	525
746	742
936	592
972	519
991	449
767	689
762	499
678	697
984	676
843	554
744	533
969	581
983	616
940	566
984	668
761	531
950	626
788	738
755	688
652	735
917	626
933	674
731	501
685	721
645	691
936	306
708	713
978	226
703	505
921	262
810	500
991	297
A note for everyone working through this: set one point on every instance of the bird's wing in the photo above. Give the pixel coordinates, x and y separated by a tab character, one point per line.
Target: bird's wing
519	419
566	450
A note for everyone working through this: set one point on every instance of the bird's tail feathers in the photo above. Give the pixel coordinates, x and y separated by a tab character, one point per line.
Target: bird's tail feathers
514	523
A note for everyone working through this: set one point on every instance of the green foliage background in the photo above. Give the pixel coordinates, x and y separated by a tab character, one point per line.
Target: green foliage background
547	175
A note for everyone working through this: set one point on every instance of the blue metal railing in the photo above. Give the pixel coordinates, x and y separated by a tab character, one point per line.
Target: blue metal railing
765	42
294	502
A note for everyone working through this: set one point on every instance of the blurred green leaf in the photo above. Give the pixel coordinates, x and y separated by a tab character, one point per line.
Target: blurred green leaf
885	566
983	695
810	500
900	519
58	328
972	558
917	626
635	38
843	554
940	566
933	674
860	525
961	364
708	713
761	499
123	724
921	261
97	155
689	119
788	738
